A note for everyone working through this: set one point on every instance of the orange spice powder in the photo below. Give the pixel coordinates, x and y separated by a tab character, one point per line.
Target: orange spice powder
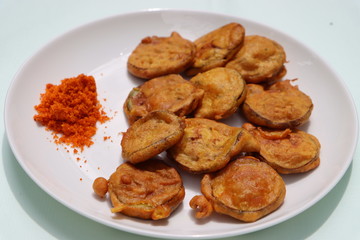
71	110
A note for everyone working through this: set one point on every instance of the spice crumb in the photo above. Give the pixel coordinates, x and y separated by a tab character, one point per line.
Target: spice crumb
71	110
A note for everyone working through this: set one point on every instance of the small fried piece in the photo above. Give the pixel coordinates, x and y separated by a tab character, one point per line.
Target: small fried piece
217	47
224	89
171	92
280	106
157	56
246	189
208	145
151	135
100	186
259	60
148	190
202	206
287	151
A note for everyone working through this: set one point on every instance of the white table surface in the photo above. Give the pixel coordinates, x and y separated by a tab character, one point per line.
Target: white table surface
331	28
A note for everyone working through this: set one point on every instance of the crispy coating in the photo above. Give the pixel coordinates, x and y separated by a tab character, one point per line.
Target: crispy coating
260	59
280	106
208	146
287	151
246	189
217	47
100	186
151	135
148	190
170	92
224	89
157	56
202	206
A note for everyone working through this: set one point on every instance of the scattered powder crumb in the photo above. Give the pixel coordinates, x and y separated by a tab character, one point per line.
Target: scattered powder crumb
71	110
81	179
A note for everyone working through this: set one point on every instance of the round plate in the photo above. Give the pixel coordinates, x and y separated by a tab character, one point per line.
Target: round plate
101	49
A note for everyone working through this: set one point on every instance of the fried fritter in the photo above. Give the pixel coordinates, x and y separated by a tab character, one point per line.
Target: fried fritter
151	135
157	56
260	59
208	145
280	106
246	189
287	151
148	190
217	47
224	90
100	187
170	92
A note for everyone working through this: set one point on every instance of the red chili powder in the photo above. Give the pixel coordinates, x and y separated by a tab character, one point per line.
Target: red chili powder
71	110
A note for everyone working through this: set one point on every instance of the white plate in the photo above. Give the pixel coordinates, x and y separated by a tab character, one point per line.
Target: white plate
101	48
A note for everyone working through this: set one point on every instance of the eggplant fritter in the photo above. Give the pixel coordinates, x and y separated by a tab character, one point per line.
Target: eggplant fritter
259	60
287	151
170	92
224	91
148	190
280	106
151	135
208	145
246	189
217	47
157	56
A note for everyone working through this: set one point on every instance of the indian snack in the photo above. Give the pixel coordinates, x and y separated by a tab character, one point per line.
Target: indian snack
287	151
151	135
280	106
208	145
170	92
147	190
246	189
100	186
224	91
71	110
156	56
260	59
217	47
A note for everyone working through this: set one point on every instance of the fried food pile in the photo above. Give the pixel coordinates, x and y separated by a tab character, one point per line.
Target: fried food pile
189	88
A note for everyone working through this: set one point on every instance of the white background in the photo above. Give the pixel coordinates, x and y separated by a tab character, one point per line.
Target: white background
330	28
